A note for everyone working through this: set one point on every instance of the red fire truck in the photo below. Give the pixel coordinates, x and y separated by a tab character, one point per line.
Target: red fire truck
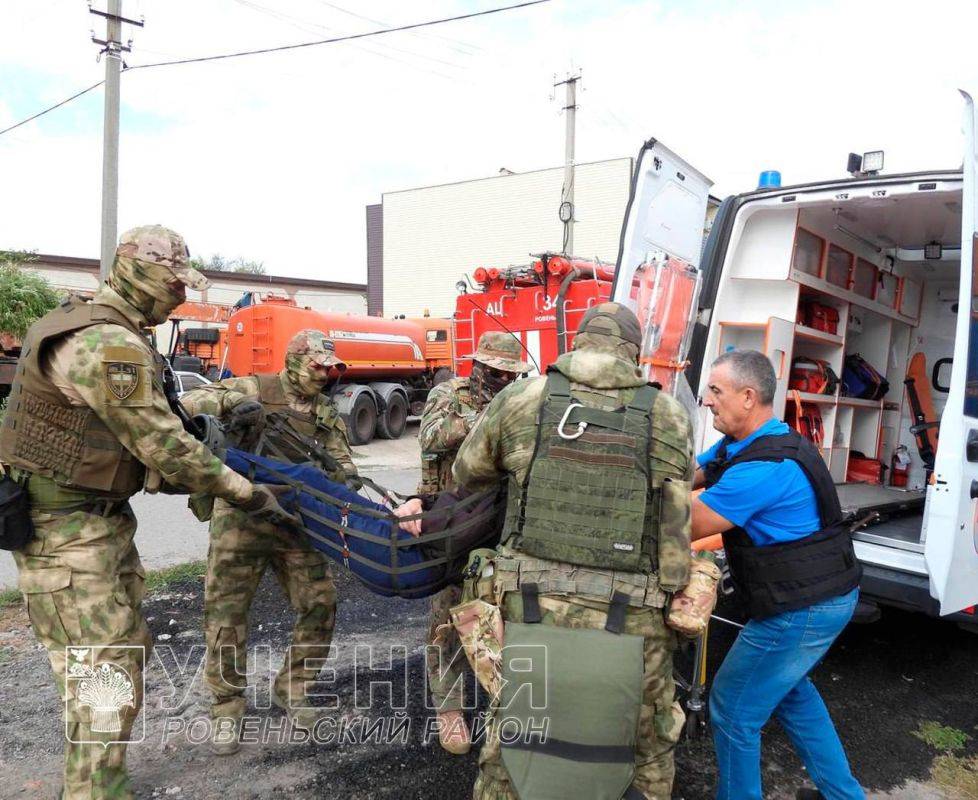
541	304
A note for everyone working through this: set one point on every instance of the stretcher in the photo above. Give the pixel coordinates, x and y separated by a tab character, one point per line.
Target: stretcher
364	536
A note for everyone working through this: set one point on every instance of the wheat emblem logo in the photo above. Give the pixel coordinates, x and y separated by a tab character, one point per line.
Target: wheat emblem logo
106	689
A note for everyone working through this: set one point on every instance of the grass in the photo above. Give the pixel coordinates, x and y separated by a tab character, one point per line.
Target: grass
941	737
956	775
9	597
157	579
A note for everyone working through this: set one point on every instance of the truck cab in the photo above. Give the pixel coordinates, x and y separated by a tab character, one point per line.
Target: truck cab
876	270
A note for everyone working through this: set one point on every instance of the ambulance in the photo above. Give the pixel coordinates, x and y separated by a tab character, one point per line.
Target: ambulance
863	293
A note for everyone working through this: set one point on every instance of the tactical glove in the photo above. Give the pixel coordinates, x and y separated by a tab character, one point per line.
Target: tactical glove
245	424
266	503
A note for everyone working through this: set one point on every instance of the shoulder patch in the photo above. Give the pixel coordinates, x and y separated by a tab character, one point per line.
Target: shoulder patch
121	378
127	375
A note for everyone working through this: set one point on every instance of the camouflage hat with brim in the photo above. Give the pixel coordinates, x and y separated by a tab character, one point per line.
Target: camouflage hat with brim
501	351
317	346
155	244
612	319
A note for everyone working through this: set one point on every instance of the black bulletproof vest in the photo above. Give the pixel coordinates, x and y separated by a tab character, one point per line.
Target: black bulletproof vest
790	575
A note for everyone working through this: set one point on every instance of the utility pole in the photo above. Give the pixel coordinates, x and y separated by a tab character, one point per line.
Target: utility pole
566	210
112	48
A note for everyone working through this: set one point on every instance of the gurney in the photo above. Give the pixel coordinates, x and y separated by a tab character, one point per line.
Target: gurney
364	536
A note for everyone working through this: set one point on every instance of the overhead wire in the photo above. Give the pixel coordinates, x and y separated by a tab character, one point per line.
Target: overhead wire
52	108
282	48
344	38
311	27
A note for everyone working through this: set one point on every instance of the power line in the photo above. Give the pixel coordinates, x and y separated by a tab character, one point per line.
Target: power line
52	108
333	40
346	38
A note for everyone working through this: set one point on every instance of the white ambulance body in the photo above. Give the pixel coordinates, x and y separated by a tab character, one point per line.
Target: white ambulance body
895	258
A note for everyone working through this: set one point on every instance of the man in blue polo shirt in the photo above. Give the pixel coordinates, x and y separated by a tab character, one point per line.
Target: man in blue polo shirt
768	491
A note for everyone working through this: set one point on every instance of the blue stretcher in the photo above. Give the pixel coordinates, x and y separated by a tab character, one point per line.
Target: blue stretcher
362	535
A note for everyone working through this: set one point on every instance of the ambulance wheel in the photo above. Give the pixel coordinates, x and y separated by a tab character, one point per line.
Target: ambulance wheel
363	419
391	424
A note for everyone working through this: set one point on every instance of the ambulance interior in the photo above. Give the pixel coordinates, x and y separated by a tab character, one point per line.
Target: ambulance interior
861	262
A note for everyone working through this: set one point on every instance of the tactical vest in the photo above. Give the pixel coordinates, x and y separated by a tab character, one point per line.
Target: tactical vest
772	579
436	468
272	396
43	434
586	498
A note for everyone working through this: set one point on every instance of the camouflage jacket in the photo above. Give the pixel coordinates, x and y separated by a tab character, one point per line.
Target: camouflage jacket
502	443
219	399
448	416
80	366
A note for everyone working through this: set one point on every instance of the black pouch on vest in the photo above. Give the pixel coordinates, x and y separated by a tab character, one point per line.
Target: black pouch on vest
16	528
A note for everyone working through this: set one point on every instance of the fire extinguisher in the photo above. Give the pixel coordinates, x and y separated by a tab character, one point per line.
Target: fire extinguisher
900	466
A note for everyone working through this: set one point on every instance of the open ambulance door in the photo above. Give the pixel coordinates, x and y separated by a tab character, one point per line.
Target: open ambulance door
950	522
664	221
666	213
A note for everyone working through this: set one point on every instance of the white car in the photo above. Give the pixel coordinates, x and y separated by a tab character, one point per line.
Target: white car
189	380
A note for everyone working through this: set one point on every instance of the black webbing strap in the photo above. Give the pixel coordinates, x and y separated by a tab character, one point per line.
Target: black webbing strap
631	793
572	751
531	603
616	613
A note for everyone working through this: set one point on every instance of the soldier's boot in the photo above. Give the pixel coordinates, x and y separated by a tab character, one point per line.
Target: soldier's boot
453	733
225	738
301	716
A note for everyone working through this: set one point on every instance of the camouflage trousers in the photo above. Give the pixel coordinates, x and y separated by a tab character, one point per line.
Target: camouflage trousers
83	586
444	659
660	718
240	551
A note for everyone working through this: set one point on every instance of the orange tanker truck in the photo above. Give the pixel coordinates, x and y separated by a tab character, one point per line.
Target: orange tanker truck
391	363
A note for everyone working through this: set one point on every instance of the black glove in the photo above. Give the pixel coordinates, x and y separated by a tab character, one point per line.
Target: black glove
245	424
268	502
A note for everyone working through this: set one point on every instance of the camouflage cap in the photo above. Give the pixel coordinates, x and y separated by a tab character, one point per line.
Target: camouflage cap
158	245
500	351
612	319
314	344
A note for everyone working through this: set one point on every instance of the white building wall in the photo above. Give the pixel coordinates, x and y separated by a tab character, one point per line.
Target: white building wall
435	235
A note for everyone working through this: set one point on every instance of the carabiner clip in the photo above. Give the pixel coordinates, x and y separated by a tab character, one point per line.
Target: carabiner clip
581	426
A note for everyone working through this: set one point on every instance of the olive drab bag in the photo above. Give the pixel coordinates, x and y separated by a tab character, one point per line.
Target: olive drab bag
586	498
570	704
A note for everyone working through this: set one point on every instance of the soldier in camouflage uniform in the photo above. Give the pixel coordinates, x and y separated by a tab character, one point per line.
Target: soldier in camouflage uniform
87	418
449	414
242	548
602	374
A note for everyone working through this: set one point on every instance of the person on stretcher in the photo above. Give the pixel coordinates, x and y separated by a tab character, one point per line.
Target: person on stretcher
410	550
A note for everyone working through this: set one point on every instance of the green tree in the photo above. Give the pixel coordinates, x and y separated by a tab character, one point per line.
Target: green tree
24	296
218	263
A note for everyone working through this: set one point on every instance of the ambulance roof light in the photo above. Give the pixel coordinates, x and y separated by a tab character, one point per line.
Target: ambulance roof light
869	163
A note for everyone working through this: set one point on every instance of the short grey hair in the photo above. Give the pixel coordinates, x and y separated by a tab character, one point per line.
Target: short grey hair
751	368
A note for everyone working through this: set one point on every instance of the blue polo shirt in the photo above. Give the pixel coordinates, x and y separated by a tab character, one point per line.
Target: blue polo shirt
773	501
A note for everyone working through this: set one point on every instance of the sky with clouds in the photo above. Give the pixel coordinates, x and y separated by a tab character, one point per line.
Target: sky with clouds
274	157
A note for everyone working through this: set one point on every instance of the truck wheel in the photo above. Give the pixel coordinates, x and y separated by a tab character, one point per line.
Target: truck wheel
363	419
391	424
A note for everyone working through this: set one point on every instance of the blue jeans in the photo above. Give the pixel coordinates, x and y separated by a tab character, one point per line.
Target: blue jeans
766	672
